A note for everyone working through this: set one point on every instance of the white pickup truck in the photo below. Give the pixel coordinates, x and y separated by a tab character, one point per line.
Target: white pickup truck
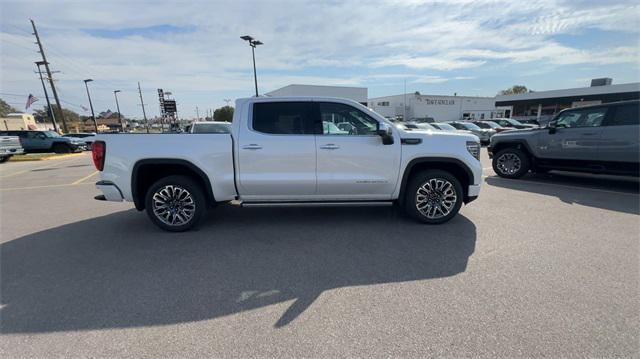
281	151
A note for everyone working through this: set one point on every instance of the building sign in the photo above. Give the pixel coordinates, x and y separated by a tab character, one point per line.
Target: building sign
170	106
438	102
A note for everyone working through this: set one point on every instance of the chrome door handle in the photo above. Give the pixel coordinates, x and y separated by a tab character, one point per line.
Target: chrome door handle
252	146
329	146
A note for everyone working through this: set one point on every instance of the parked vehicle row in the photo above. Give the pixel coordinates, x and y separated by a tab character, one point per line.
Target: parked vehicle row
291	151
598	139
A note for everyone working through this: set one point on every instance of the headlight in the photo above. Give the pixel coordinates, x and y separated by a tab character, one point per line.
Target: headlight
474	149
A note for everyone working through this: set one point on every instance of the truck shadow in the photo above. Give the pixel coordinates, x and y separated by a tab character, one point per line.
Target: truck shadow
119	271
604	192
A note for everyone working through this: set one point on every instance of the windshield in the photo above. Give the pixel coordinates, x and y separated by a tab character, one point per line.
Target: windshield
491	124
513	122
210	128
470	126
51	134
445	126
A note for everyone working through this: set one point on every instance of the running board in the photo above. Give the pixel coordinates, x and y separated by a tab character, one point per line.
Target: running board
314	204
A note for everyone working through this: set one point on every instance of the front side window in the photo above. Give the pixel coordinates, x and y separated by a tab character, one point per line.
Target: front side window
283	118
626	115
581	118
341	119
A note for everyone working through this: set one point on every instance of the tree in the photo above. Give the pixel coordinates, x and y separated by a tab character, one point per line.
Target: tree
5	108
72	118
516	89
224	113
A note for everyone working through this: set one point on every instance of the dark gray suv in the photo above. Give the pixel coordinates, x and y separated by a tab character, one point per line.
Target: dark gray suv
46	141
598	139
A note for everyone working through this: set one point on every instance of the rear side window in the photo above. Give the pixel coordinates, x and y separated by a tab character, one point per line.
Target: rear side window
283	118
626	115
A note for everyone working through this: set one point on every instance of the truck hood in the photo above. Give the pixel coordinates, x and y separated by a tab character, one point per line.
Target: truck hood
525	132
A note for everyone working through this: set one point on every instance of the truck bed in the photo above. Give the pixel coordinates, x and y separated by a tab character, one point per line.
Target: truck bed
212	153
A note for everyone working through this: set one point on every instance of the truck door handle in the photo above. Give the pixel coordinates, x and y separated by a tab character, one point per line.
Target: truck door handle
329	146
590	134
252	146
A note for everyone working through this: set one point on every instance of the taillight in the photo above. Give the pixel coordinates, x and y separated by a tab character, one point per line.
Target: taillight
98	151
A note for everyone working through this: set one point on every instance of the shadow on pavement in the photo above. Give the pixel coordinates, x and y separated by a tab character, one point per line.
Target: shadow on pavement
120	271
605	192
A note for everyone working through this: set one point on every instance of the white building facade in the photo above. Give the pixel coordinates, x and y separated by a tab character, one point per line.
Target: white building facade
440	108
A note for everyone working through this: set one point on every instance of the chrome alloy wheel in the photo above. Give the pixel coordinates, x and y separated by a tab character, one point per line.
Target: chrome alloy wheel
509	164
436	198
173	205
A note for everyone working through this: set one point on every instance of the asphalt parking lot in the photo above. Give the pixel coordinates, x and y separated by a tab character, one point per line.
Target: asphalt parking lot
545	266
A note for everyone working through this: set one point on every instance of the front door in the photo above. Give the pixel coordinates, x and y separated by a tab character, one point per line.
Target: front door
620	141
352	161
576	136
277	152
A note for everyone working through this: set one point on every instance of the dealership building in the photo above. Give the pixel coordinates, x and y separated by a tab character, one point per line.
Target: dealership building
543	105
440	108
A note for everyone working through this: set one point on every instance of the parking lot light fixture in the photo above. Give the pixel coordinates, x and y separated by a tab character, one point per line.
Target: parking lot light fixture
93	115
115	94
253	43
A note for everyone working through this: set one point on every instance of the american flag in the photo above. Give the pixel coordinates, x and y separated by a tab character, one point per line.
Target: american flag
84	109
30	100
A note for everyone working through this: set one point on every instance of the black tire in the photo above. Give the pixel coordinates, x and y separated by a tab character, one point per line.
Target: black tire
422	178
4	159
61	148
194	190
514	155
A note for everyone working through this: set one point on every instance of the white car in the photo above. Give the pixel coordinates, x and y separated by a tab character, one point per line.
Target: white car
279	153
210	127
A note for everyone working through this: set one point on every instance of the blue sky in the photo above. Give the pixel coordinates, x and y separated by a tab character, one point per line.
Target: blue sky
193	48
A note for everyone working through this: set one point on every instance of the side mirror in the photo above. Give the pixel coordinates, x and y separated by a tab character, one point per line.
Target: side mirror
553	125
385	132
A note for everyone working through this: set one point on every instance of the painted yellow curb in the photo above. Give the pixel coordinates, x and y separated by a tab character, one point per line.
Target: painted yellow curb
23	158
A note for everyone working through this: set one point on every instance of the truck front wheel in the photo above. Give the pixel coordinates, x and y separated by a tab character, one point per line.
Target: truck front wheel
175	203
511	163
433	196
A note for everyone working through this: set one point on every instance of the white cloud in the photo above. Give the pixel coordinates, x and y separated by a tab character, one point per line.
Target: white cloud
343	43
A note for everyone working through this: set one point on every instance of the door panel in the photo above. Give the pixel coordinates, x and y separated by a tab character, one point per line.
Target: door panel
352	161
620	140
576	138
277	152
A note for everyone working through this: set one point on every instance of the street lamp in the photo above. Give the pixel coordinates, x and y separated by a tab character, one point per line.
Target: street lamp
115	94
253	43
93	115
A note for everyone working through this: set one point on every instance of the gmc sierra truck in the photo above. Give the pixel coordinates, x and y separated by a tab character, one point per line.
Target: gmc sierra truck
280	152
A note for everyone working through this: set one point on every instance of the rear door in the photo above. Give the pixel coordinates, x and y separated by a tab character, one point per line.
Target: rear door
352	161
576	137
277	151
620	140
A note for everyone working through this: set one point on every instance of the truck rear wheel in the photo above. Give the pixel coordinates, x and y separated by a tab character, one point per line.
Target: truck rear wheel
175	203
61	148
433	196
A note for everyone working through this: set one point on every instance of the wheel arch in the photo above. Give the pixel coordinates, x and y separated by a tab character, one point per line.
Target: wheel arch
456	167
146	172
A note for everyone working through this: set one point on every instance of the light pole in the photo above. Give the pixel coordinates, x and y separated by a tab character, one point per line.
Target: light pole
115	94
46	95
93	115
253	43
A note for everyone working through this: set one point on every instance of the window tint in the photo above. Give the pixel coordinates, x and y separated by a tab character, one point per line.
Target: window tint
341	119
625	115
582	118
283	118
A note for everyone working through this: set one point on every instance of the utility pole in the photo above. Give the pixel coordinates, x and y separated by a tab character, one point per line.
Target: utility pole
404	103
197	113
46	66
93	115
46	95
115	94
144	114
